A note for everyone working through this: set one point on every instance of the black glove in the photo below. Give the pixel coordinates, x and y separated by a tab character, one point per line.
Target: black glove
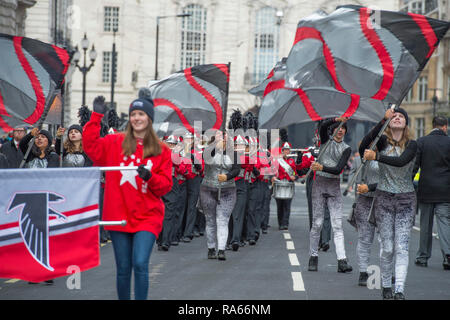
198	167
144	174
99	104
299	158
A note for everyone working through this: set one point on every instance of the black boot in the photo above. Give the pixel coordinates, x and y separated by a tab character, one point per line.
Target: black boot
399	296
363	276
343	266
446	263
313	262
212	254
387	293
221	255
235	246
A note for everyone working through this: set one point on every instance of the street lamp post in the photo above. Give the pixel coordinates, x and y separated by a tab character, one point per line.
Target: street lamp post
157	36
113	67
434	100
84	69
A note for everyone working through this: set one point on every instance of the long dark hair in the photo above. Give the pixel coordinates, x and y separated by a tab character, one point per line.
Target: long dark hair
36	151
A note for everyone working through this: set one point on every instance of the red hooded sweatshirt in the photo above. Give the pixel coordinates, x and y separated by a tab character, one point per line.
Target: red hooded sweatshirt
127	196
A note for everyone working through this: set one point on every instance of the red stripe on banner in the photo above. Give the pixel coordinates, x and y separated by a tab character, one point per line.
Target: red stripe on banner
354	104
271	73
427	31
308	106
64	57
208	96
383	54
164	102
280	84
274	85
311	33
40	98
79	249
67	214
224	69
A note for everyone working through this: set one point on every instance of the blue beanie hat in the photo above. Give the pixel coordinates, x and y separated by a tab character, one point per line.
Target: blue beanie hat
143	104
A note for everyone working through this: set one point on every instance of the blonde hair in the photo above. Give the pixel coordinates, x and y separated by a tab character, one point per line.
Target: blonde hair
406	136
152	144
70	147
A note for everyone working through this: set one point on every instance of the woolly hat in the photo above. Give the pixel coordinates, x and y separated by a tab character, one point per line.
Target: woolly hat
403	112
143	104
48	135
76	127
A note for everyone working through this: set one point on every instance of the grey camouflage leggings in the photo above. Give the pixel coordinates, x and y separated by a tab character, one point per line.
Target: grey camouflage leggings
394	214
327	190
217	214
366	231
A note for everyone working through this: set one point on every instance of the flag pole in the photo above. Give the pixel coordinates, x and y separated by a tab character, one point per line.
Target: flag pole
223	126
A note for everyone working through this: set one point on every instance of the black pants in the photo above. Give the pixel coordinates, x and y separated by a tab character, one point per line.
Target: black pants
254	215
325	234
266	196
238	213
171	203
180	213
193	190
283	211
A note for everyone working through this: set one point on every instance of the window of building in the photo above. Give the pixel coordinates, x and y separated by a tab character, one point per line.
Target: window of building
423	89
106	67
193	36
409	95
111	19
420	127
265	54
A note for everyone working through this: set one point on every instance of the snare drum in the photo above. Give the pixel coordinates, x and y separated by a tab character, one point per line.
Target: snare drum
283	189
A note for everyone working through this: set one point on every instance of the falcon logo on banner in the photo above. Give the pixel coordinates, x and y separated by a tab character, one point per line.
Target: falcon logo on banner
345	64
276	73
31	72
199	93
47	225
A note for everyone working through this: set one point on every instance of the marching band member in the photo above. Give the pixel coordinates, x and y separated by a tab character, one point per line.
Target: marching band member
129	195
193	182
172	199
395	198
254	199
363	205
241	181
218	193
326	190
286	171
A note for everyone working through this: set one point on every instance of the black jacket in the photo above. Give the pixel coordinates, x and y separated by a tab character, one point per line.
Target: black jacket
433	158
3	161
13	155
52	157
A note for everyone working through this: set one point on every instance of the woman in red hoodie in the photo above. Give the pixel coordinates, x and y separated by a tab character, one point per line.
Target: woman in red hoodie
134	196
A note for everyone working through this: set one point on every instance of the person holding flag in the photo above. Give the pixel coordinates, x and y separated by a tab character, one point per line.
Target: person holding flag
395	198
129	195
73	154
42	154
326	191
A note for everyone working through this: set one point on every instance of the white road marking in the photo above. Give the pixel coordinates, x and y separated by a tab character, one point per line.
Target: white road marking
298	281
293	259
290	245
287	236
12	280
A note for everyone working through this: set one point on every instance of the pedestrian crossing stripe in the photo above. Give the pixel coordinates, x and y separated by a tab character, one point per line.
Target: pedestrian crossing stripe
12	280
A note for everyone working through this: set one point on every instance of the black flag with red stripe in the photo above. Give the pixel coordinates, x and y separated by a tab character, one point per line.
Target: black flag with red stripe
194	94
353	62
30	73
